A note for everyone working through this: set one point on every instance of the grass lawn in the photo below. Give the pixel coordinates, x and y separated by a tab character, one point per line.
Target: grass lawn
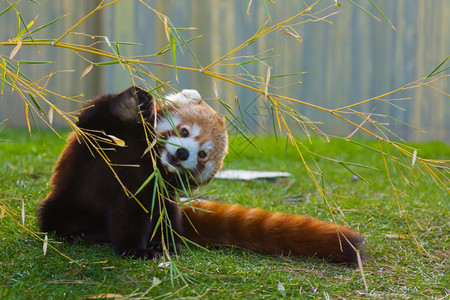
394	266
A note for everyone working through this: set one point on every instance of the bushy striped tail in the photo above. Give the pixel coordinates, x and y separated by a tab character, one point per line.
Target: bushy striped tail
213	223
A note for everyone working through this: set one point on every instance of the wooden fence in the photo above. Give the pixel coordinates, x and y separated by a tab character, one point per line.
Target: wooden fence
354	58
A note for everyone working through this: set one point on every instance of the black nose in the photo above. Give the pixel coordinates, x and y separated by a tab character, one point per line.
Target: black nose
182	153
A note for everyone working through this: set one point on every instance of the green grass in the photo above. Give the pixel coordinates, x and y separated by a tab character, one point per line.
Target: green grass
394	267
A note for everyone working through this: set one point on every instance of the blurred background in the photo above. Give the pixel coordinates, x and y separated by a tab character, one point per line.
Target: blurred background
352	58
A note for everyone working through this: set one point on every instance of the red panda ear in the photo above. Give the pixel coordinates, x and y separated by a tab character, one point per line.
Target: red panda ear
221	119
127	104
185	96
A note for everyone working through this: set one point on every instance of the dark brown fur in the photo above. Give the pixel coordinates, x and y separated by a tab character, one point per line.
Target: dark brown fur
88	201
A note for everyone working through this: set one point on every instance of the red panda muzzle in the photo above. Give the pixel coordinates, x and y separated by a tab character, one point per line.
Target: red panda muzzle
182	154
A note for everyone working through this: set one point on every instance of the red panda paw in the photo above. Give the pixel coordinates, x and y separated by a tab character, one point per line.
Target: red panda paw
158	247
147	253
144	103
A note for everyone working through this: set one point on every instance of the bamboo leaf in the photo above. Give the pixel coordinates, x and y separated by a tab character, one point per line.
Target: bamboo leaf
117	48
155	191
167	48
274	127
364	10
8	8
365	146
388	130
87	70
180	37
261	28
158	223
128	43
113	51
443	70
146	182
255	60
353	172
266	89
360	165
28	26
437	68
27	117
36	104
267	9
184	28
13	78
18	22
243	134
106	63
174	53
166	29
50	115
3	76
116	140
183	187
248	7
34	62
15	50
47	24
404	123
171	143
230	111
382	14
414	158
215	90
288	74
17	72
292	34
256	35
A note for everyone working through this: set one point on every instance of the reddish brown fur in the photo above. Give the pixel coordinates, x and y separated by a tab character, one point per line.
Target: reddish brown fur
88	202
271	233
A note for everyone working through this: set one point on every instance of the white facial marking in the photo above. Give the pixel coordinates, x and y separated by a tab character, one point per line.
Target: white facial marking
188	128
174	143
164	124
169	158
207	173
208	146
166	163
196	130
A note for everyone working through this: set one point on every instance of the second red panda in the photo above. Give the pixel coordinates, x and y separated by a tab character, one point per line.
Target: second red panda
103	191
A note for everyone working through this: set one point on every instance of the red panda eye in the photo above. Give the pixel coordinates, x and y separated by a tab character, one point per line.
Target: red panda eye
184	132
202	154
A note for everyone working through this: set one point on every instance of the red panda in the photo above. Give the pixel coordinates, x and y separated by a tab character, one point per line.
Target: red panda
106	191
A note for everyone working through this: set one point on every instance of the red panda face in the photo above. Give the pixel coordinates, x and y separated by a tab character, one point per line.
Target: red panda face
195	137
